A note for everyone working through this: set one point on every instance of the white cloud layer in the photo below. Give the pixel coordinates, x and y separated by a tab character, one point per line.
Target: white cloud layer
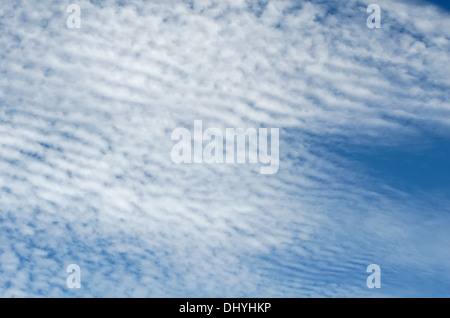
86	175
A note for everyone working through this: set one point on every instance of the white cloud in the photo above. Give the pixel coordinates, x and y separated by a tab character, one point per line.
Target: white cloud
85	123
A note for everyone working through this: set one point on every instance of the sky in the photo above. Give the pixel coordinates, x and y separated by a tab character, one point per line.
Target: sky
86	175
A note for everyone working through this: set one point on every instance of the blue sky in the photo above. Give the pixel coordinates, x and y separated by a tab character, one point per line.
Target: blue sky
86	176
440	3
